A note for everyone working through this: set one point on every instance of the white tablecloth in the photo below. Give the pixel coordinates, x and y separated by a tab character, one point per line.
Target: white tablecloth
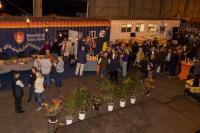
5	68
91	65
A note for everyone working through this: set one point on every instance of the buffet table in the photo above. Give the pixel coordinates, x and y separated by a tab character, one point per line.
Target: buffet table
185	69
19	65
91	64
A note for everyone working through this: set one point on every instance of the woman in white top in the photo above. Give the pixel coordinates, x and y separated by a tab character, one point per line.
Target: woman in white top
39	90
59	71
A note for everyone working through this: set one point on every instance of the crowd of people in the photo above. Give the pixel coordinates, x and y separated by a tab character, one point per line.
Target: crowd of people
115	59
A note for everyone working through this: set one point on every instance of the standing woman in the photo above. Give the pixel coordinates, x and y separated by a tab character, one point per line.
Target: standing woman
81	58
59	71
18	93
139	57
32	78
125	59
39	90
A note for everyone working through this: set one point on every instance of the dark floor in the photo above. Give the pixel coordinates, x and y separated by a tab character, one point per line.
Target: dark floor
165	111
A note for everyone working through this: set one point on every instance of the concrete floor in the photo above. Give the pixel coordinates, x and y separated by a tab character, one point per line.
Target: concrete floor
165	111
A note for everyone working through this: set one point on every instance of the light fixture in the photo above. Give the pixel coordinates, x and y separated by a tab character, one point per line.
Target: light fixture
46	30
0	4
60	35
27	20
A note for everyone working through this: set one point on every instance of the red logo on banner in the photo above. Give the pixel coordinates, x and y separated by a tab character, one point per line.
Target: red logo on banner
19	37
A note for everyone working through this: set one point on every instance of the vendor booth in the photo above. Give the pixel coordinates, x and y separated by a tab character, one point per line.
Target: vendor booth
20	37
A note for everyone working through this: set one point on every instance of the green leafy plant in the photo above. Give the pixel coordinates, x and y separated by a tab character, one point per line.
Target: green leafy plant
125	88
108	88
82	98
70	103
138	85
52	111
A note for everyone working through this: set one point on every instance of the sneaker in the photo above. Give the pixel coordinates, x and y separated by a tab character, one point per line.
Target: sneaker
43	104
29	100
21	111
39	109
53	80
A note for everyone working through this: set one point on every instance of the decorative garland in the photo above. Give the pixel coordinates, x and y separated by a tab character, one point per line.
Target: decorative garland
8	46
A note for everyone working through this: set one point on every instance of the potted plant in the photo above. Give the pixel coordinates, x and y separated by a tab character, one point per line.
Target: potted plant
124	91
108	88
96	99
82	98
70	107
136	87
52	111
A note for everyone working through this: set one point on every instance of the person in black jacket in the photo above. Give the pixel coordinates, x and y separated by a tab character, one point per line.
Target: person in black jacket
114	67
32	78
18	93
173	63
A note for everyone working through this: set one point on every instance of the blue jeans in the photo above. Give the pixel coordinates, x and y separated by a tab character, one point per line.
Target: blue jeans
47	80
31	89
40	98
103	73
58	79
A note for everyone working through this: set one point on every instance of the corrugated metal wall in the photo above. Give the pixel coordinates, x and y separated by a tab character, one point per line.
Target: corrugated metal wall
168	9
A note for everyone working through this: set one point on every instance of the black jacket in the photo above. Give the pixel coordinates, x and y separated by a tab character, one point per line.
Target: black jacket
174	59
114	65
32	78
18	91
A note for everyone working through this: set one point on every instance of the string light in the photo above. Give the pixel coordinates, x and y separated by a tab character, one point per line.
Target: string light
60	34
27	20
46	30
1	5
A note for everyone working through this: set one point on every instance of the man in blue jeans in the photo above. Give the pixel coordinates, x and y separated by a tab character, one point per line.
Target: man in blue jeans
45	66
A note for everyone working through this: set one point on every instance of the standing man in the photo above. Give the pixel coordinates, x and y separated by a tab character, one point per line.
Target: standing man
18	93
81	58
66	45
45	66
173	63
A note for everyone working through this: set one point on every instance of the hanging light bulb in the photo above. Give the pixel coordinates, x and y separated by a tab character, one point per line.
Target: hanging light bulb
1	5
27	20
46	30
60	34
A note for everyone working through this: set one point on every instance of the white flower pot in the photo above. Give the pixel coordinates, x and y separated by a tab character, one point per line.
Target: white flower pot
81	115
69	120
122	103
132	100
110	107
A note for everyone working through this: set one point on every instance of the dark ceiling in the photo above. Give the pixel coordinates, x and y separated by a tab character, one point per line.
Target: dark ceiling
58	7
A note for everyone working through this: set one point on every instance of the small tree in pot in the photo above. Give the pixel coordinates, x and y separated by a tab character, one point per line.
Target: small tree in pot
124	91
70	107
107	87
82	99
137	87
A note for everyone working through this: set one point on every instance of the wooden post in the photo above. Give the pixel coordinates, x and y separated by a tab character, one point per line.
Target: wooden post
37	8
